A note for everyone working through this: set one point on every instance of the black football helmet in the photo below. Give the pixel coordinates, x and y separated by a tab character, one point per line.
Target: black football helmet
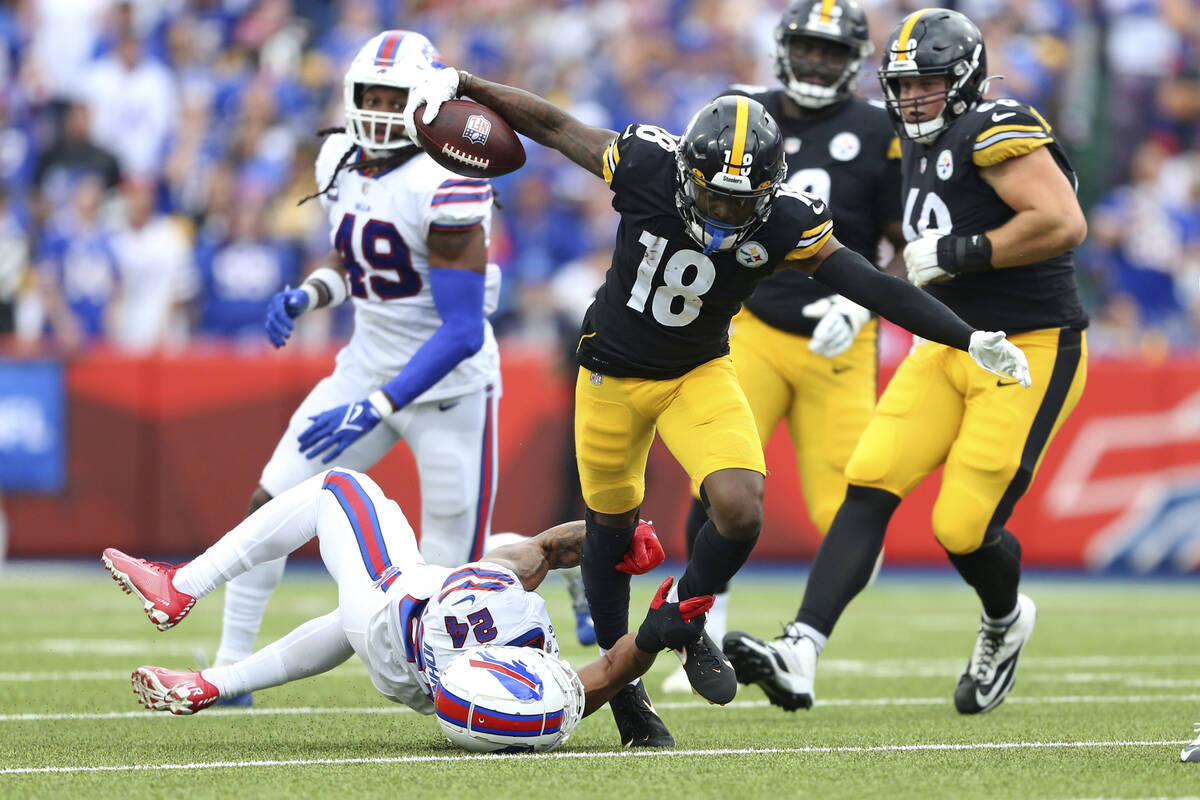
840	28
729	163
934	41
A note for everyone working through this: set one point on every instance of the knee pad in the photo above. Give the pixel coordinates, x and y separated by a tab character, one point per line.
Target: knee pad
959	524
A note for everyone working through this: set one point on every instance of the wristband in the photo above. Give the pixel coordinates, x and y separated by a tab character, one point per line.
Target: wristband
463	78
334	283
381	403
962	255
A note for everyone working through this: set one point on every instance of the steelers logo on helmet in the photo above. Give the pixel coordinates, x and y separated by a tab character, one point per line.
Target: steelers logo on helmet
508	700
396	60
729	162
820	46
933	43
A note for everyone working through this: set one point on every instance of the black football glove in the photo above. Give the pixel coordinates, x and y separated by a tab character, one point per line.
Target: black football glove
672	625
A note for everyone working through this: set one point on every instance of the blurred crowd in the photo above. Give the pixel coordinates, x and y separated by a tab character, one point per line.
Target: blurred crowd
152	153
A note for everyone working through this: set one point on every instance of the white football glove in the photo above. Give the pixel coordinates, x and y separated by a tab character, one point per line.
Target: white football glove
999	356
442	86
921	259
840	321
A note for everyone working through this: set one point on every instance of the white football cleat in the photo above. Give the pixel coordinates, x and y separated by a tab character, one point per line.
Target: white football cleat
992	670
784	668
1191	753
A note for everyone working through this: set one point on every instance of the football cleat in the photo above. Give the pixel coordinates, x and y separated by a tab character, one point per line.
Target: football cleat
585	629
150	580
637	722
992	670
784	669
1191	753
243	700
708	670
160	689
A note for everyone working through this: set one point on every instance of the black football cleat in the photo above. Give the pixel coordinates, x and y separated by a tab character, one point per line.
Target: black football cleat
636	719
708	670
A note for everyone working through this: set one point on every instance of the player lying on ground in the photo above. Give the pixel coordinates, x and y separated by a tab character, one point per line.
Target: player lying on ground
704	218
404	618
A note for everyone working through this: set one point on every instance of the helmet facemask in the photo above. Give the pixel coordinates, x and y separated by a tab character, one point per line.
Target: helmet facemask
961	92
722	212
394	59
819	50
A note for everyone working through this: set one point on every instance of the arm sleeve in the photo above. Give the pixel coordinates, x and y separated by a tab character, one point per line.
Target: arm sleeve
853	277
458	295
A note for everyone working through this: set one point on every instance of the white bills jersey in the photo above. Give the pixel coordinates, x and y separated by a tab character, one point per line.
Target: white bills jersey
434	613
379	226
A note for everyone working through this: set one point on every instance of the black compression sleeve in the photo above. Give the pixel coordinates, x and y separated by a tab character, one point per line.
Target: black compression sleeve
851	275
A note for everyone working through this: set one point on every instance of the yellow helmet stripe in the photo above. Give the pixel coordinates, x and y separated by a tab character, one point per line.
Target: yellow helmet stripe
827	10
740	125
906	33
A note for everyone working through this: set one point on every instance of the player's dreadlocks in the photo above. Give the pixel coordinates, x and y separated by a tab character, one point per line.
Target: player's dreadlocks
370	163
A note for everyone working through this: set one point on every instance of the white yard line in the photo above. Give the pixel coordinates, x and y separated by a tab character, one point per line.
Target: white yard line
751	751
687	705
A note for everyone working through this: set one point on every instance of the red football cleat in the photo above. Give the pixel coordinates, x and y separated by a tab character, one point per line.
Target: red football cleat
151	581
160	689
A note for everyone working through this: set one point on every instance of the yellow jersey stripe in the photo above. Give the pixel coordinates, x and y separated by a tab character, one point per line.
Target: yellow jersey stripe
906	34
1040	118
811	241
995	129
741	122
612	157
1005	149
827	10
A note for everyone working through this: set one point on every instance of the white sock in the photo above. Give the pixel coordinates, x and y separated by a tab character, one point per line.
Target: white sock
798	629
1006	620
317	646
718	618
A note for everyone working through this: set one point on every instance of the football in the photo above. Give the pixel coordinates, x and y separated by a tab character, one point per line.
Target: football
470	139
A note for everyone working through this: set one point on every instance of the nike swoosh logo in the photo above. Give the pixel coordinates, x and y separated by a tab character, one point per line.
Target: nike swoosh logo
1006	383
838	369
448	406
998	685
818	208
998	117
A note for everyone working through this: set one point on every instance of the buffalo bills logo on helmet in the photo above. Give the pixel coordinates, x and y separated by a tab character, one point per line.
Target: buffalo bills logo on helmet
477	129
520	681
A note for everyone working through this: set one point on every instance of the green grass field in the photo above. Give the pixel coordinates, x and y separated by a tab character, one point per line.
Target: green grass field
1105	697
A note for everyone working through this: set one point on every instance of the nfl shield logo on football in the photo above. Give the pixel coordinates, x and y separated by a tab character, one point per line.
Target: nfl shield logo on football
477	129
751	254
945	165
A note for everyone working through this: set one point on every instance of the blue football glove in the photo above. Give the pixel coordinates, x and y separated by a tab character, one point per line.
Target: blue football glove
338	428
284	307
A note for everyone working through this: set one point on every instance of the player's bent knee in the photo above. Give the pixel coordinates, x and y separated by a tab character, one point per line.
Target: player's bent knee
735	502
957	530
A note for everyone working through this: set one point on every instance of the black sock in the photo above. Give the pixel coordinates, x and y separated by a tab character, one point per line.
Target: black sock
993	571
607	590
847	556
714	560
697	516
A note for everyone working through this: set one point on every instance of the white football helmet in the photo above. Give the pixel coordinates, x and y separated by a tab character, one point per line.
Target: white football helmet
400	59
508	699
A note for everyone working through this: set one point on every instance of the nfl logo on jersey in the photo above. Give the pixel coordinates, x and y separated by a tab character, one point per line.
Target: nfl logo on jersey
477	129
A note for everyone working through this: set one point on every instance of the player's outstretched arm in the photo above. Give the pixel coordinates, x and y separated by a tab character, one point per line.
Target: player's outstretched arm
559	548
667	625
326	286
528	114
852	276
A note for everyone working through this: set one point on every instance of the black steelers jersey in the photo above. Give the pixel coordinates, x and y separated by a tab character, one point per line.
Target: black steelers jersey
944	191
665	306
849	157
